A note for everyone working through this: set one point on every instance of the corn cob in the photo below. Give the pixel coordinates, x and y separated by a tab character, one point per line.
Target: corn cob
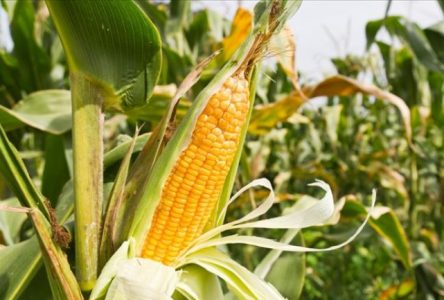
194	186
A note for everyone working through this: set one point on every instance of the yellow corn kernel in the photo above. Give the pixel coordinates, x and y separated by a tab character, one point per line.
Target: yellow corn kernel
193	188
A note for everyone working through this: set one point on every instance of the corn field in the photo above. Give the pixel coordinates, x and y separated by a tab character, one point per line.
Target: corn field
164	150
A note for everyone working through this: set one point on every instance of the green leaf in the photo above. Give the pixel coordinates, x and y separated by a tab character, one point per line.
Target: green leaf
176	66
441	5
332	117
339	85
33	63
117	153
416	39
411	34
48	110
56	171
288	8
9	78
18	265
14	172
388	226
10	224
158	105
435	36
205	30
155	13
180	12
371	30
288	274
20	262
265	117
399	291
38	287
436	81
114	44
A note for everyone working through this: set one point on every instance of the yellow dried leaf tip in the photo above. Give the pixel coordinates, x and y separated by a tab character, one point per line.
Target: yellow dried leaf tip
196	181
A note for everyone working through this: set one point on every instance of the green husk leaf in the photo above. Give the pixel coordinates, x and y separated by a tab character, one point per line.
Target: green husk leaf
107	242
243	283
139	278
110	270
198	284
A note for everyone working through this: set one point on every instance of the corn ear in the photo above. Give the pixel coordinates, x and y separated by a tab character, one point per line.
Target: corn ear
152	191
267	15
194	186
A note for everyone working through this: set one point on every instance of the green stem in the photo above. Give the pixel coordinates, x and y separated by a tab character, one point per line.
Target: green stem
88	176
441	197
3	188
413	193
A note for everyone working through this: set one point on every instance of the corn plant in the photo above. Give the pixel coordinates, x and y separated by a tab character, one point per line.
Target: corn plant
356	141
158	228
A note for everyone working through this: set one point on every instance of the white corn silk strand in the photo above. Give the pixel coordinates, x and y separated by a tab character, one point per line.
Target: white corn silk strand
314	215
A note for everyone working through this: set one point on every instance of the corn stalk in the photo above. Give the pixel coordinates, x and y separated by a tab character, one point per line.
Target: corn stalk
119	76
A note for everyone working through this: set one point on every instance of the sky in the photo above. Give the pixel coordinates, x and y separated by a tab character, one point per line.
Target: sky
330	28
323	28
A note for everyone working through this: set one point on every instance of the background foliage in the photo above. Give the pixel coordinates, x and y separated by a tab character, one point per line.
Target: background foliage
350	139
